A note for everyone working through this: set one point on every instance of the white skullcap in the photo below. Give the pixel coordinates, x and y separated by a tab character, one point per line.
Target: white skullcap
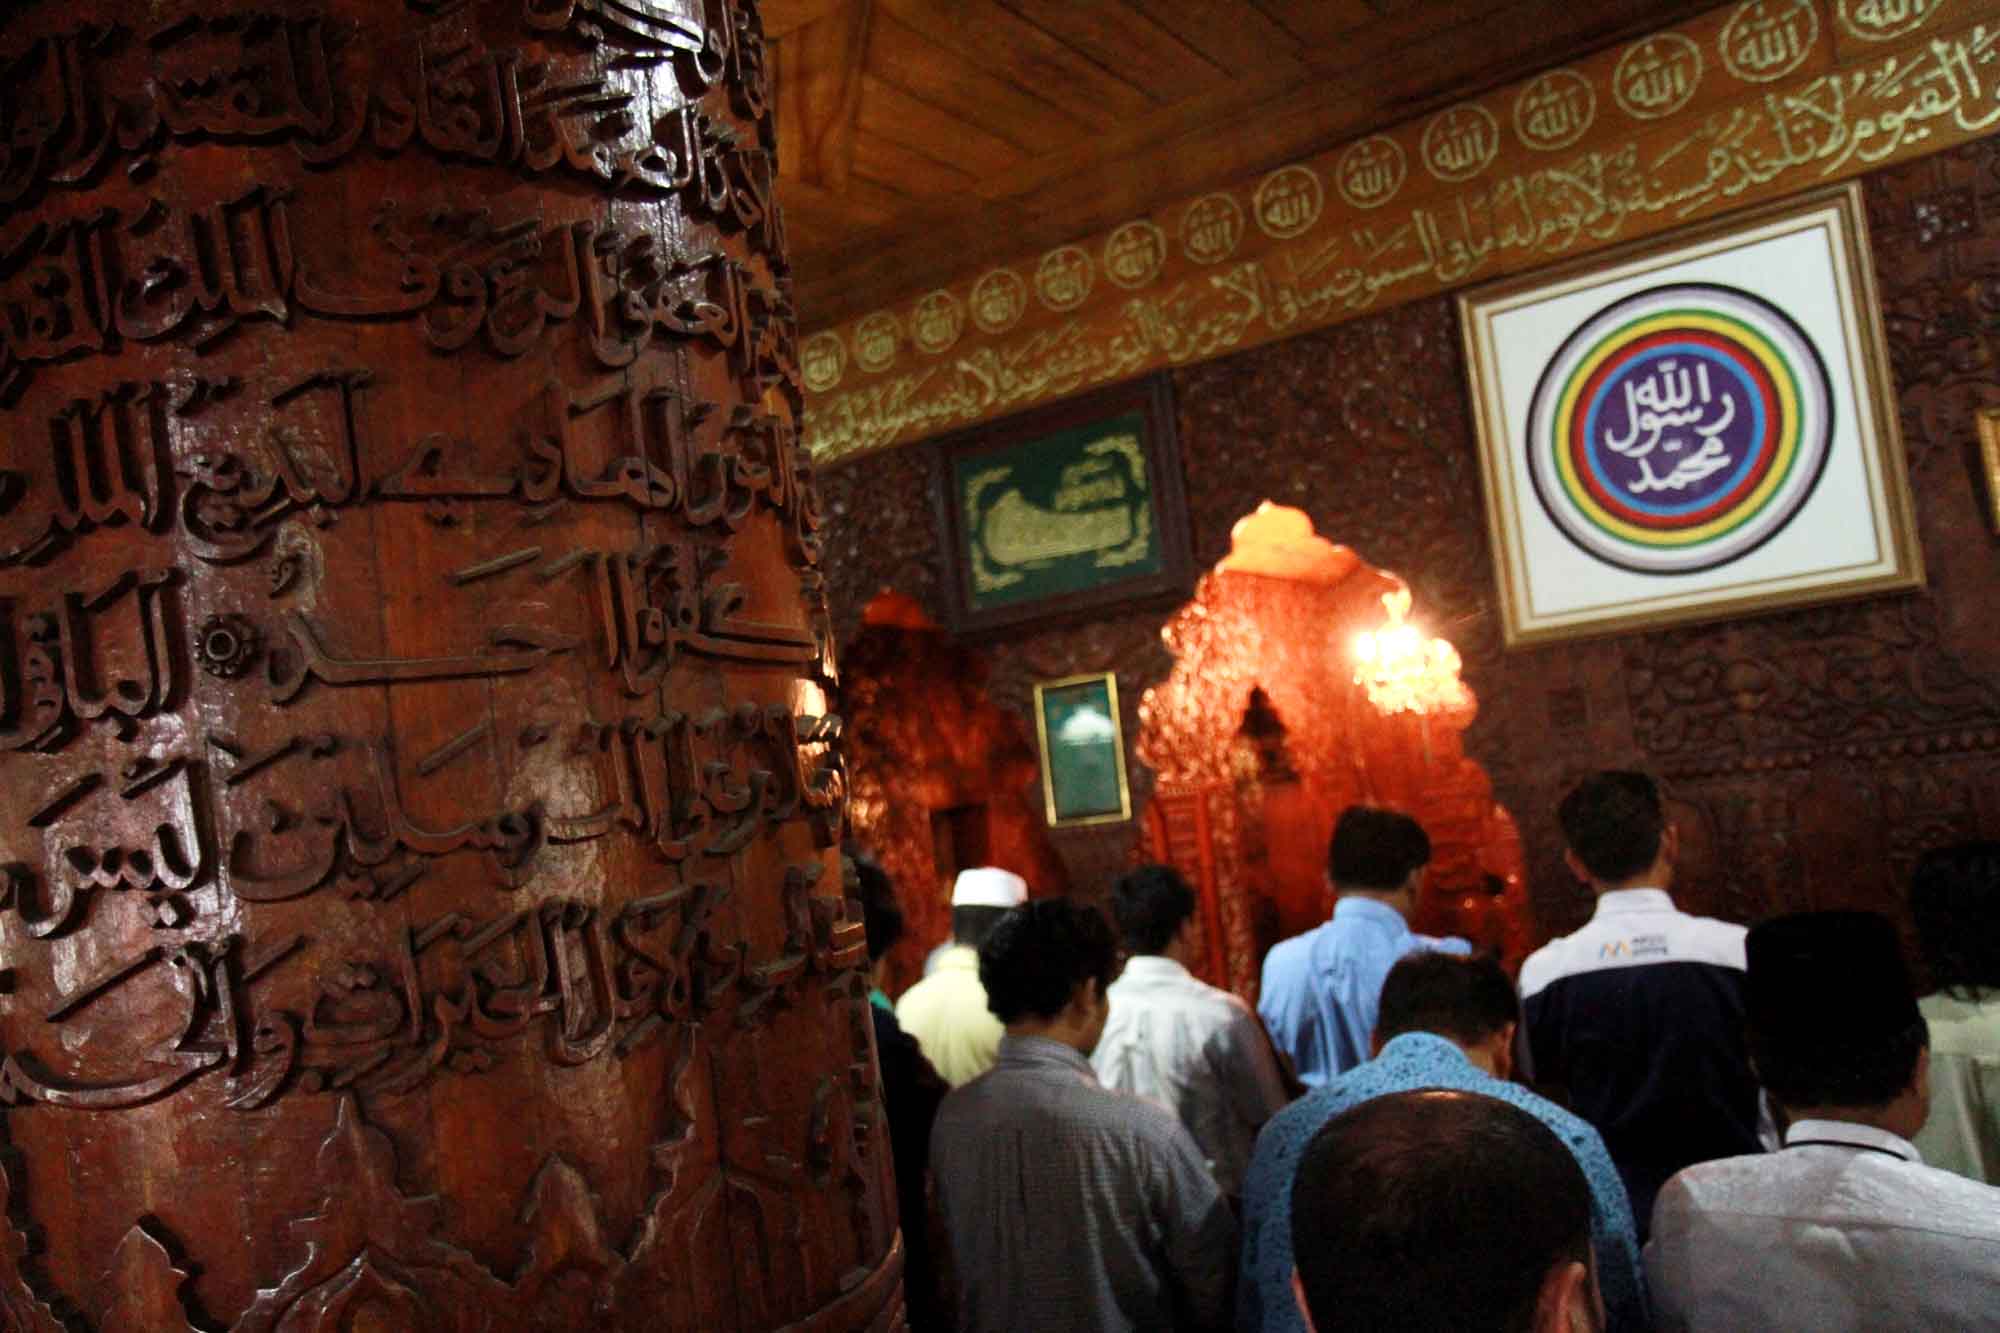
988	886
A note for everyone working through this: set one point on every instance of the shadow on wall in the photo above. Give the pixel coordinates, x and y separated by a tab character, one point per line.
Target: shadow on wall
1260	737
940	776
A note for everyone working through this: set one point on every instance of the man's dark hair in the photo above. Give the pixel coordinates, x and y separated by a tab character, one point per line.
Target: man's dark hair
1465	999
971	925
1150	905
1854	1075
1614	822
1434	1210
881	916
1039	953
1955	897
1374	848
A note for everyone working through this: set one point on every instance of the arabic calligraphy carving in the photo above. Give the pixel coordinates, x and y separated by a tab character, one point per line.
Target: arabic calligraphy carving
1768	39
999	299
1288	201
413	680
822	359
1461	142
1212	228
1371	171
1553	111
1134	254
1884	20
936	322
1609	183
1657	76
875	340
1063	278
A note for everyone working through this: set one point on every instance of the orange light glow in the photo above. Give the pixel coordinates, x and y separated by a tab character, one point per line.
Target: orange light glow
1404	671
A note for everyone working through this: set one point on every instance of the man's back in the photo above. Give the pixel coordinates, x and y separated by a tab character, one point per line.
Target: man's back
1639	1018
1073	1207
946	1012
1321	989
1830	1236
1411	1061
1195	1050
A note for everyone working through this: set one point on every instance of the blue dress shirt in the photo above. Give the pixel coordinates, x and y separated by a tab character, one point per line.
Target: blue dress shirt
1264	1302
1323	989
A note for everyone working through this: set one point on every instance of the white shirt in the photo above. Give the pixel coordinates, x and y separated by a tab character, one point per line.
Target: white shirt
946	1012
1844	1229
1963	1133
1197	1051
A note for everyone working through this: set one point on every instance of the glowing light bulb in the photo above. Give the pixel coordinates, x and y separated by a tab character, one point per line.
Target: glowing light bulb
1402	670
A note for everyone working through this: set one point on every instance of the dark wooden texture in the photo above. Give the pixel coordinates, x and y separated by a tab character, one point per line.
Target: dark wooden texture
930	139
1811	755
417	784
1153	399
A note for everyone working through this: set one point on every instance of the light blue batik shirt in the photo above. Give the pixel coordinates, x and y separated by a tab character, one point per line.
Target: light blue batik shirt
1264	1302
1322	989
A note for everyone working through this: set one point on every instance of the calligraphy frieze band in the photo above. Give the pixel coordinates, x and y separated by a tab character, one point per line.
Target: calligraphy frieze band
418	780
1750	102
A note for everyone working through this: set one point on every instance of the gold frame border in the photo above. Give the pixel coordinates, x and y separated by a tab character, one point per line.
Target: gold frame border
1989	458
1110	680
1865	343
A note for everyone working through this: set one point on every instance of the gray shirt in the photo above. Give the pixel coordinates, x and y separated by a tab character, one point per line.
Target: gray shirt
1073	1207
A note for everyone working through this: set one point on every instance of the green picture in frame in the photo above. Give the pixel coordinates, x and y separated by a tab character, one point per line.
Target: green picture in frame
1065	509
1061	513
1083	750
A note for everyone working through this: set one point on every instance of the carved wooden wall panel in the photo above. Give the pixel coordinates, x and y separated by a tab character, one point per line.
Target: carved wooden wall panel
1811	754
419	779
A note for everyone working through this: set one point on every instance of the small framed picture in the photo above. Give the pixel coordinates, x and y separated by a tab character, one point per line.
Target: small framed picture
1989	463
1692	428
1083	751
1064	510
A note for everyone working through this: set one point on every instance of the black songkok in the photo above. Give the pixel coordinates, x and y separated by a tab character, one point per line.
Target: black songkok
1829	979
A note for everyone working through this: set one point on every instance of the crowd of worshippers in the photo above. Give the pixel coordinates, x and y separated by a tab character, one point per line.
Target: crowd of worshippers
1731	1128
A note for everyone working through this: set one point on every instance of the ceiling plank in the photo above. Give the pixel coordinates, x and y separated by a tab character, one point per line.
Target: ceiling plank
819	92
898	54
888	112
1316	23
785	16
1241	38
986	37
907	171
1115	37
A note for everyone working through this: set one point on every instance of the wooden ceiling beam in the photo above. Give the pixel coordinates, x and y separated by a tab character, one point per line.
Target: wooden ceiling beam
983	36
1115	37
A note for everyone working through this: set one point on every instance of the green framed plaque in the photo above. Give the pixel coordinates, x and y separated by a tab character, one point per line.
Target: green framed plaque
1064	510
1083	751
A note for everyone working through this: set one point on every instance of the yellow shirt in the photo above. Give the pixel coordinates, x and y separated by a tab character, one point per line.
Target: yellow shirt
946	1012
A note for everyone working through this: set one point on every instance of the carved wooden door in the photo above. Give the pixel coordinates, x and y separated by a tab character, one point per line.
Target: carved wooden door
418	783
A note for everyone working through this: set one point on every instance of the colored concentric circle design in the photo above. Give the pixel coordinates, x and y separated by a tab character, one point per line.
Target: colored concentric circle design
1680	428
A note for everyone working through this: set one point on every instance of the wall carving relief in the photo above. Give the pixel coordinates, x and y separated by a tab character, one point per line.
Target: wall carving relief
421	777
1811	755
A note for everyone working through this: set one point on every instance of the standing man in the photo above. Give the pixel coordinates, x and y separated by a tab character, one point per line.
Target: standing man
1070	1206
1845	1229
1321	988
1639	1015
1178	1041
1442	1210
1447	1022
946	1012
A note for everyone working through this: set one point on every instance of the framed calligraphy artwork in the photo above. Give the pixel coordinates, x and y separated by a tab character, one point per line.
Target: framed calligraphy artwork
1692	429
1083	751
1064	510
1989	463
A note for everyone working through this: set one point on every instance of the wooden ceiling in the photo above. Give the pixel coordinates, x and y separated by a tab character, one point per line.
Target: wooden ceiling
921	139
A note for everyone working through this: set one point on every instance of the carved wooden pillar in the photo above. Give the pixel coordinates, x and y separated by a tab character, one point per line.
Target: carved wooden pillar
417	788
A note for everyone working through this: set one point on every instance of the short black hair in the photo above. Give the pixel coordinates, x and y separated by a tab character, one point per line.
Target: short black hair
971	925
1150	905
1434	1210
1465	999
1039	953
1373	848
1955	898
881	916
1614	822
1850	1074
